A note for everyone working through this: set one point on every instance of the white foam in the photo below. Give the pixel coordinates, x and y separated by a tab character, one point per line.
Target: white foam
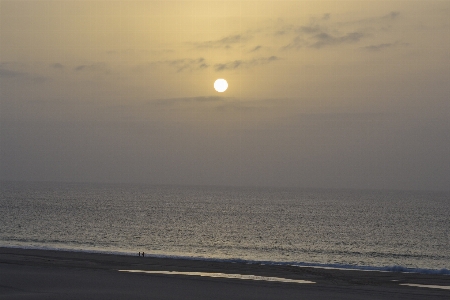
399	269
222	275
442	287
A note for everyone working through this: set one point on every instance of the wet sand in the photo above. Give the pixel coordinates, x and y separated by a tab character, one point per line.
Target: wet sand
45	274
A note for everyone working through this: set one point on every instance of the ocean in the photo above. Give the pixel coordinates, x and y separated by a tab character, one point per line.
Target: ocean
358	229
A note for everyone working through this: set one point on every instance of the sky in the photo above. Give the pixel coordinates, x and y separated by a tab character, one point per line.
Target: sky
322	94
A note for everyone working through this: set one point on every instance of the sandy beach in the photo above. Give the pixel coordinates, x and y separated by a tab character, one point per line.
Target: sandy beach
46	274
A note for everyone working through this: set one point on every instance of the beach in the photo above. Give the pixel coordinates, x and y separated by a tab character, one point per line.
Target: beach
49	274
252	149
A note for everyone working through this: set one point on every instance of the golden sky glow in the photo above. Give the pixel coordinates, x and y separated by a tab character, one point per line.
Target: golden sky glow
320	87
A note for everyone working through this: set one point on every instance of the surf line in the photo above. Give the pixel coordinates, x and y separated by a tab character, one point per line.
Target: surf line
442	287
222	275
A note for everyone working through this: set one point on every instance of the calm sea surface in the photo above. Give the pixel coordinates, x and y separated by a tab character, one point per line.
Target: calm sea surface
323	227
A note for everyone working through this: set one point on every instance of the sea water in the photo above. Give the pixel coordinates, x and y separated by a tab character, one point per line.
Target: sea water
384	230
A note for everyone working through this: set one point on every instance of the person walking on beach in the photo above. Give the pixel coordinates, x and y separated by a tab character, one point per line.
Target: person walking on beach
139	254
142	254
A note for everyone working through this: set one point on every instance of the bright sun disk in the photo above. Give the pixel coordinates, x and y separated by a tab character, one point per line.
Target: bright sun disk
220	85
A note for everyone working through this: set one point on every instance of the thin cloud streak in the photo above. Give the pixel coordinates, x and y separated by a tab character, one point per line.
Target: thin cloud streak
320	33
57	66
233	65
324	39
21	76
383	46
95	67
225	42
198	99
184	64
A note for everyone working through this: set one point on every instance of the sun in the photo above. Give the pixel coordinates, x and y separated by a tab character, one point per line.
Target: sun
220	85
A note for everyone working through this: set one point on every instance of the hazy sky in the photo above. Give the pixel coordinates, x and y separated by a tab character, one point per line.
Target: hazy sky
329	94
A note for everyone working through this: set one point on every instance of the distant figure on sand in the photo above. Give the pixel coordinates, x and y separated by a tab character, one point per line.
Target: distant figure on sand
139	254
142	254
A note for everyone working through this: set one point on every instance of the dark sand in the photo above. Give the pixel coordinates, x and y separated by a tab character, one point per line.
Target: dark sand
43	274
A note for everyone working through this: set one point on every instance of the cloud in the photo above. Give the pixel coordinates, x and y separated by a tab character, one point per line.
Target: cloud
309	29
324	39
225	42
214	103
347	116
296	43
256	48
280	32
317	36
374	20
391	16
185	100
314	26
57	66
96	67
378	47
228	66
6	73
320	33
232	65
185	64
134	52
383	46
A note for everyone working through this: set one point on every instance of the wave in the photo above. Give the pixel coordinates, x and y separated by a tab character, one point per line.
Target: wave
394	268
399	269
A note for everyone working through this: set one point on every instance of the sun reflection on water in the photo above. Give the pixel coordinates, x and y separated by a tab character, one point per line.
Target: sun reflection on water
222	275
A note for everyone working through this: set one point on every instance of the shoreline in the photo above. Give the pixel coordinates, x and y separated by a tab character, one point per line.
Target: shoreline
102	271
336	266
